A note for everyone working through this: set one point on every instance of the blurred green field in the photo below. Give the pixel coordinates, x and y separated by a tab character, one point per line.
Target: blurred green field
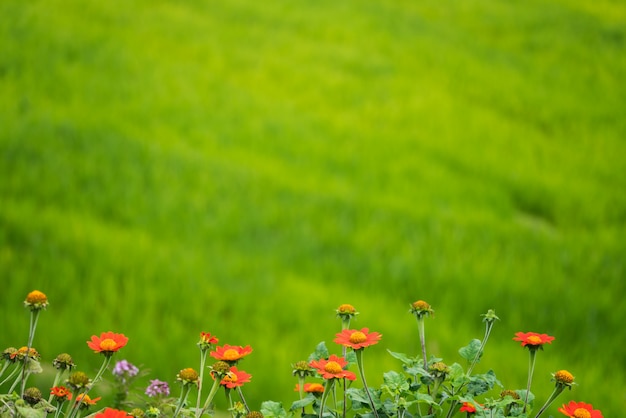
242	168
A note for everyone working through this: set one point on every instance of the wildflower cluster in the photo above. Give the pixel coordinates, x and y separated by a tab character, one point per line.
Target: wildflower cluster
423	386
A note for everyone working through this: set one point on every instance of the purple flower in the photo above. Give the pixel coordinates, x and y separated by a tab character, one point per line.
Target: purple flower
157	387
125	370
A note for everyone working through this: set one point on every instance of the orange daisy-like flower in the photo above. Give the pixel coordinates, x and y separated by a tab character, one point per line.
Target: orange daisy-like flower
333	368
580	410
108	343
230	353
357	339
311	388
207	338
532	339
85	401
111	413
61	393
468	407
235	378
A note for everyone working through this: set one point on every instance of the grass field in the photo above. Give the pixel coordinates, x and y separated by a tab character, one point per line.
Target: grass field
243	168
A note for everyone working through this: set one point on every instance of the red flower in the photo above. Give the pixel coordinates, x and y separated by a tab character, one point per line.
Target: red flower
207	338
580	410
356	339
468	407
311	388
235	378
111	413
61	393
231	353
532	339
108	343
332	368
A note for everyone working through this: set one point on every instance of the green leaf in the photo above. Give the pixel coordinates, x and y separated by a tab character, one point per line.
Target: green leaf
471	351
28	412
404	358
273	409
301	403
321	352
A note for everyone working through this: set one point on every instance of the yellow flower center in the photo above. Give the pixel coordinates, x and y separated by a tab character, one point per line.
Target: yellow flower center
230	377
420	304
333	367
108	345
346	308
534	340
582	413
231	354
357	337
36	297
564	376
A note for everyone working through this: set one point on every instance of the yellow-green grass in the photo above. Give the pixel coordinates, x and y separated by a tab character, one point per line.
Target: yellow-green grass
242	169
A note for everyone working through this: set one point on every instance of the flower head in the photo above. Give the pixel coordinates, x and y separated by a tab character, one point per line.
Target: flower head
333	368
61	393
32	396
23	352
188	375
563	378
311	388
356	339
9	354
468	407
108	343
302	369
235	378
78	380
346	310
580	410
532	340
63	362
230	353
421	308
125	370
153	412
111	413
36	300
157	387
254	414
85	401
207	341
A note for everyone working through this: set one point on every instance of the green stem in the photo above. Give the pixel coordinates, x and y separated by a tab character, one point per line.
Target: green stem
243	400
203	354
212	392
488	326
531	368
359	362
182	399
329	386
555	393
34	316
57	378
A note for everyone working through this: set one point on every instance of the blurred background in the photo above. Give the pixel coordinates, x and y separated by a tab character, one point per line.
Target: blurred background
243	168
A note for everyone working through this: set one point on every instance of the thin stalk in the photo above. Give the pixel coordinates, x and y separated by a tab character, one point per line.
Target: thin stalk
555	393
182	399
329	386
243	400
212	392
531	368
203	354
359	362
34	316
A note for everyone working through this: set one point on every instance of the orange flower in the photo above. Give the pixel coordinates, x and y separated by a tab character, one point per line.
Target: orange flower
207	338
86	401
332	368
235	378
111	413
231	353
580	410
357	339
36	300
311	388
61	393
108	343
532	339
468	407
